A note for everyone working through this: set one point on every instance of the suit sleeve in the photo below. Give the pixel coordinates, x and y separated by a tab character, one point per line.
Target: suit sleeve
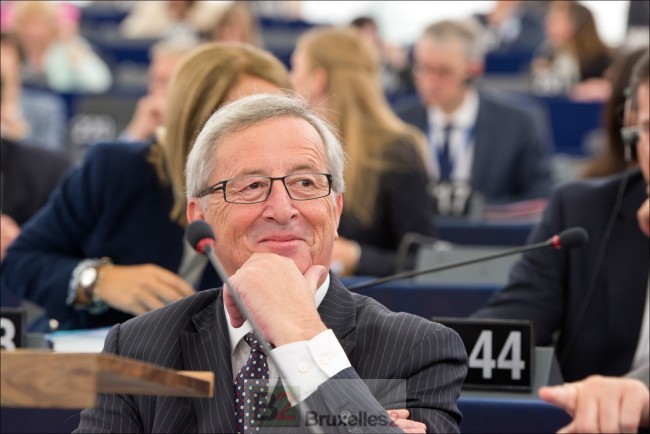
537	282
39	264
113	413
433	373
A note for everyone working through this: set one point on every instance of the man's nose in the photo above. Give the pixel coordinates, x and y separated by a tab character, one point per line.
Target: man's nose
279	205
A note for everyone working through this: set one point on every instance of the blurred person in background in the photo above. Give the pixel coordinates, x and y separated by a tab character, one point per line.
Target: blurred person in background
574	58
237	23
612	157
109	244
166	56
33	117
170	19
387	174
592	303
28	174
473	155
395	73
512	26
55	55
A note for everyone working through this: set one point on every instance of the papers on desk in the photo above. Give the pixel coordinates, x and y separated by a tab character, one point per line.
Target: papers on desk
523	211
78	341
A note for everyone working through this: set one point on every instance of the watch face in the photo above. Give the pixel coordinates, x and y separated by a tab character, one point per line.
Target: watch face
88	277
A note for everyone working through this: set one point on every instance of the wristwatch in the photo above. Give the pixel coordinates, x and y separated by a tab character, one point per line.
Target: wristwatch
86	278
88	282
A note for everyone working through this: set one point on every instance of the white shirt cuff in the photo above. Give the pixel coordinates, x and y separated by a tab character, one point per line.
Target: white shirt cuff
308	364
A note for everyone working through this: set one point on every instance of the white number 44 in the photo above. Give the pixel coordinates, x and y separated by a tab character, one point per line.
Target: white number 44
481	355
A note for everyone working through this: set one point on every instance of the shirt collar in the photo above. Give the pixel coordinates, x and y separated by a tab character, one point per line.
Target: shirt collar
463	118
237	334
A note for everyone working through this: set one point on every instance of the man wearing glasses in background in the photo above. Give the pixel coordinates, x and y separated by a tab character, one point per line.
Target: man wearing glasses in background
266	174
496	145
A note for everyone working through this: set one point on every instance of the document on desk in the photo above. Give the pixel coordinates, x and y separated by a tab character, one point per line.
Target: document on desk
78	341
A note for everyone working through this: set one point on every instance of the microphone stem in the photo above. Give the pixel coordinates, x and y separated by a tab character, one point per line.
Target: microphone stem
414	273
302	406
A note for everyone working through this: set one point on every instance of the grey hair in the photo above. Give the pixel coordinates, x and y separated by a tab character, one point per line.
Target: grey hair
466	31
245	113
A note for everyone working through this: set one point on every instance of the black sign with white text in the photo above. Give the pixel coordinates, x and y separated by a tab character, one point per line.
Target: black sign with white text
12	328
500	352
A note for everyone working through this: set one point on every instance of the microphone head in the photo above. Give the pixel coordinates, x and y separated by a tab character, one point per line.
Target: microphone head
572	238
198	234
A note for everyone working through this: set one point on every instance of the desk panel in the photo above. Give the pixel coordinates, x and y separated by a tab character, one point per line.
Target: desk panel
427	300
480	415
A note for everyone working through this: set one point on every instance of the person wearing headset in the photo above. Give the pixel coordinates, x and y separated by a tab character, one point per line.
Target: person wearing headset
593	300
603	404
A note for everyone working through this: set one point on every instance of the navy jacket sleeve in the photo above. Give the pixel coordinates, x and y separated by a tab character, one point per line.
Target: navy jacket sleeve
39	264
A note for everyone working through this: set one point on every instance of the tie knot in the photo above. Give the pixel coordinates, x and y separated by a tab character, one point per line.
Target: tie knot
252	341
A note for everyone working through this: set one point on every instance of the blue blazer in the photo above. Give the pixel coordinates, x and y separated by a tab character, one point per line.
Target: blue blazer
512	147
113	205
192	335
550	287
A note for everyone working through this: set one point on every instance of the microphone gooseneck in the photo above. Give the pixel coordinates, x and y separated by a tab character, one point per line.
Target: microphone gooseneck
567	239
201	237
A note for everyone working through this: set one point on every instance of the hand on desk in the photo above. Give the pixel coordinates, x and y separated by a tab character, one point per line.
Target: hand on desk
346	255
137	289
279	297
601	404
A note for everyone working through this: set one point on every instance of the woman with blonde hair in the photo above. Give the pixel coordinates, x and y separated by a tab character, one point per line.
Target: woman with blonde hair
387	174
109	243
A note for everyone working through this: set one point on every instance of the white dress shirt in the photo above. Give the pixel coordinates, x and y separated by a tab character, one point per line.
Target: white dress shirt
307	364
461	142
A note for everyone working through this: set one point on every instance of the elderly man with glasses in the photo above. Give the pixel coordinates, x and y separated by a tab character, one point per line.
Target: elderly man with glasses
275	242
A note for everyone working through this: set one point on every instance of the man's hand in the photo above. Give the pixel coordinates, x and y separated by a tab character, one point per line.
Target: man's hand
346	255
9	231
137	289
278	296
400	417
149	115
601	404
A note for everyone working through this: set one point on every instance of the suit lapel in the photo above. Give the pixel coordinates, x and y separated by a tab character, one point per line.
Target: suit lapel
208	349
338	312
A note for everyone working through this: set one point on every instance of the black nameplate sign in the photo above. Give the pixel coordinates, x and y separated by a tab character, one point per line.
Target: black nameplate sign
500	352
12	328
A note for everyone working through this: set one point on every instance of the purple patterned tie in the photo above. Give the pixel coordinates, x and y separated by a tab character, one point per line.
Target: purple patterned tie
251	387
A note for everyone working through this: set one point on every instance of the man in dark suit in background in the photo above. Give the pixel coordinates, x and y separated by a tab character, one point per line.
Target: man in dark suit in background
267	175
479	141
593	299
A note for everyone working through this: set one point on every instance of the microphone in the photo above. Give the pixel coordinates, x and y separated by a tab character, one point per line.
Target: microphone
567	239
201	237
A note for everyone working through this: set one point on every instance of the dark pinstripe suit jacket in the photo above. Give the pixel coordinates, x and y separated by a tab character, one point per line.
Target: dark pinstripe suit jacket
192	335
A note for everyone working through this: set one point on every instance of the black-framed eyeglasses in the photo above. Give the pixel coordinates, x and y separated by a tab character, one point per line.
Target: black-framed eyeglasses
256	188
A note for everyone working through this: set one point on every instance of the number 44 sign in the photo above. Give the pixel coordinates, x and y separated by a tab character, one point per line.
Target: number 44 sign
500	352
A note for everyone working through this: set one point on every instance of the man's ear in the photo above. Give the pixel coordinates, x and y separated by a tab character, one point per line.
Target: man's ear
339	209
194	210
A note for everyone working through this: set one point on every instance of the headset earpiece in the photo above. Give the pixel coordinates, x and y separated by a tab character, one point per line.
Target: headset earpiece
629	133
